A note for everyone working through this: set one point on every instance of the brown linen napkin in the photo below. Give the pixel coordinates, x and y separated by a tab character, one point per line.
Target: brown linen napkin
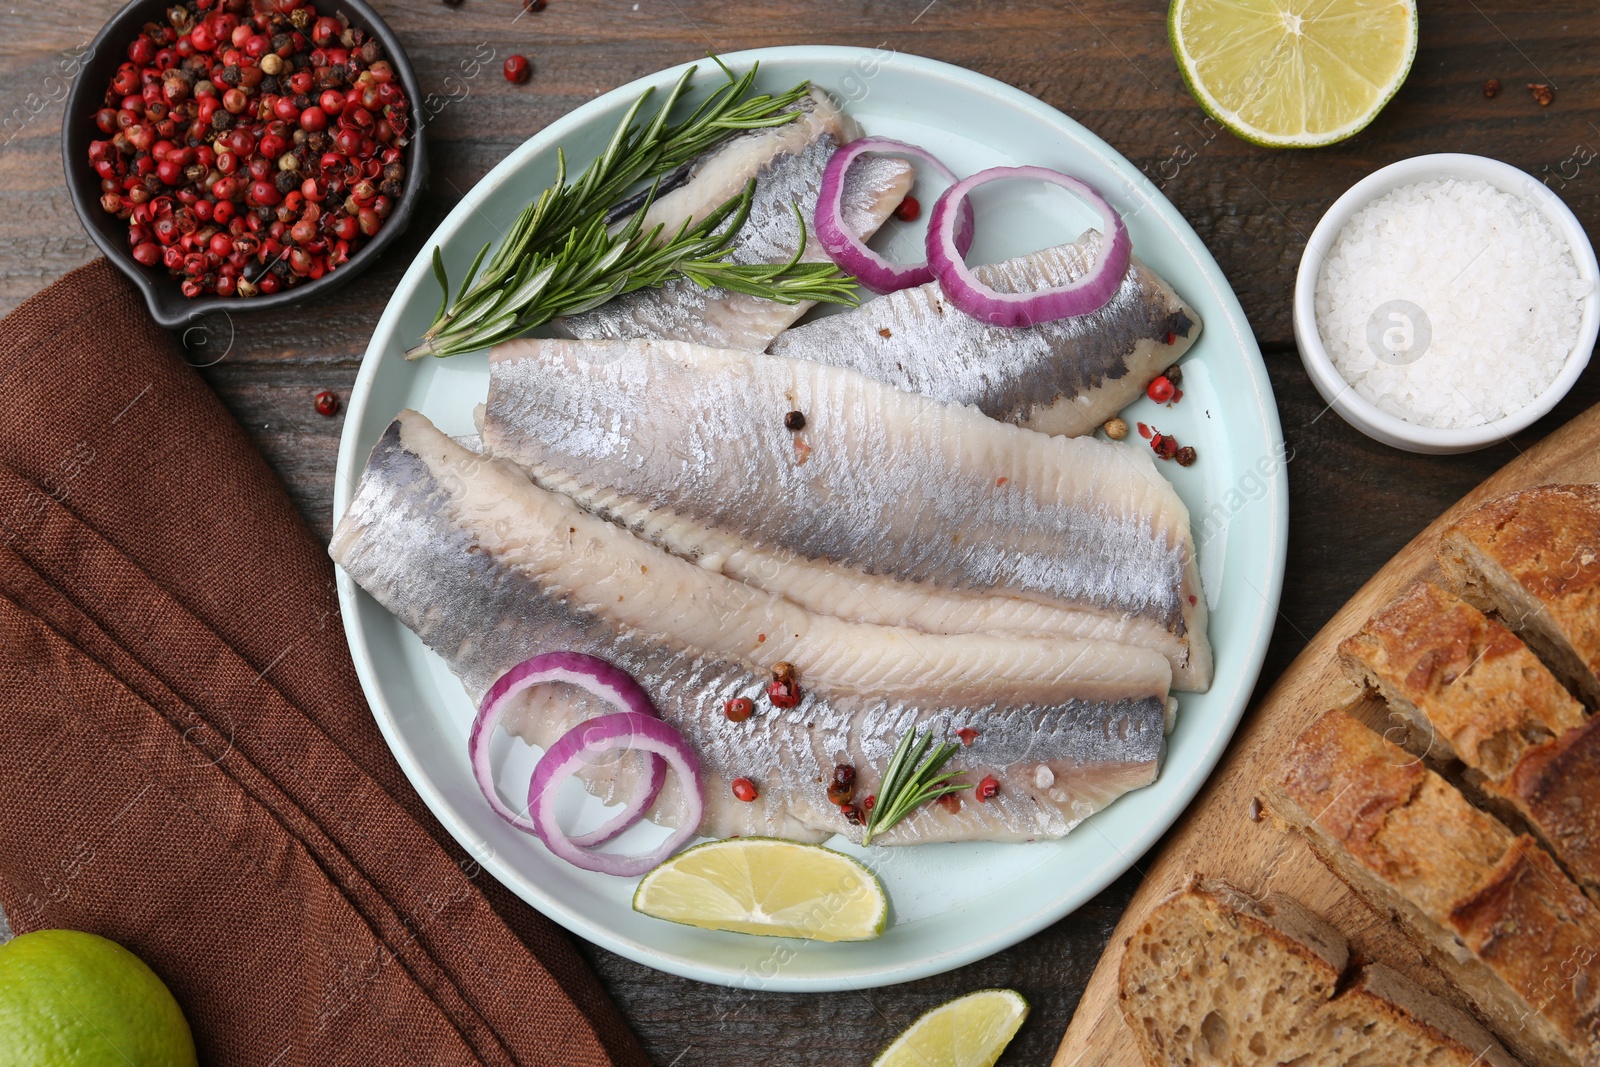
187	765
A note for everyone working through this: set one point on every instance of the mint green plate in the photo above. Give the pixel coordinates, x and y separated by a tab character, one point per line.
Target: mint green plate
951	903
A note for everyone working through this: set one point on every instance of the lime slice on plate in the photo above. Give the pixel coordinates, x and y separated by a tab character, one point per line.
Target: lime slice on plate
760	885
970	1031
1293	73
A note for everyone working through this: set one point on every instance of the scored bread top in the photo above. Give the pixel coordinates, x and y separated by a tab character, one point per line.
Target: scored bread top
1557	785
1474	689
1534	928
1545	542
1385	807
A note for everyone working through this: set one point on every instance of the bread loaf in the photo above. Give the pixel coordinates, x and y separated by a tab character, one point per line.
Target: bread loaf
1534	557
1491	909
1216	977
1472	689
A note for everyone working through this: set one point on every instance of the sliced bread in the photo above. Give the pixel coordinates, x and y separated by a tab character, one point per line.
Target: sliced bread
1534	557
1490	908
1556	786
1471	689
1214	976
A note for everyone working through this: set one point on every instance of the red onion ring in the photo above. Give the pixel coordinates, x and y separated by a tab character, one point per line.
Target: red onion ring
845	248
626	730
963	289
590	673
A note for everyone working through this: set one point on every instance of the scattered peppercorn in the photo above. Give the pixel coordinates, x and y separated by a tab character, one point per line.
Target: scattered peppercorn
950	802
783	694
1115	429
844	774
1164	446
1144	431
739	709
1173	374
851	813
744	789
868	804
1185	456
986	788
517	69
967	735
840	794
1172	337
1491	88
784	671
910	210
327	403
1542	93
1160	390
795	421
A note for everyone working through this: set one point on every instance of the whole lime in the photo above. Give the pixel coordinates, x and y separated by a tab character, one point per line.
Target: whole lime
71	999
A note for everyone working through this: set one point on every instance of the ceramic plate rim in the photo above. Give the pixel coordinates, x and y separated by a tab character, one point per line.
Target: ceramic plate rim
1182	789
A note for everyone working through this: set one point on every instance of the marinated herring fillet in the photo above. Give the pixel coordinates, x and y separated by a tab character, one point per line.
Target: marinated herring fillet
787	162
488	569
1062	377
906	510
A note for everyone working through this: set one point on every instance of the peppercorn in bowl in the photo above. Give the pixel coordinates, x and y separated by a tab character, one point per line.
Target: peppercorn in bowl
243	154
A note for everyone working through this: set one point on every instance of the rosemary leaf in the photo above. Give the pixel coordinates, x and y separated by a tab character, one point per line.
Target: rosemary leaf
910	780
561	256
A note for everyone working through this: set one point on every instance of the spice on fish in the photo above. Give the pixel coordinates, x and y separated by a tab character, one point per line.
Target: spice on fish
784	689
794	421
987	788
1160	389
967	735
739	709
744	789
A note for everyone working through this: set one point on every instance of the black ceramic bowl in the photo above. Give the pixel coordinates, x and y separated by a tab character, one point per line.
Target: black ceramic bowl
167	303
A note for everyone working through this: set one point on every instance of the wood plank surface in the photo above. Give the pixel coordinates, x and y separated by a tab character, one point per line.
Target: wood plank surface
1106	63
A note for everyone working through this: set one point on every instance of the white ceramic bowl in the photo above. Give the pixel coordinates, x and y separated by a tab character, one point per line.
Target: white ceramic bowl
1343	398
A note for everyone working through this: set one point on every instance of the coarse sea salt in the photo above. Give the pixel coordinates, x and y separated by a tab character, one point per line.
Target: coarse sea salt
1449	303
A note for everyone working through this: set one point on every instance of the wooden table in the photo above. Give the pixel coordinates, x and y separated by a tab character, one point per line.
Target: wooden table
1104	62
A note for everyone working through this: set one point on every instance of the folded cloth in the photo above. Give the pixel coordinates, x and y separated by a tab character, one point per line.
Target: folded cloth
187	765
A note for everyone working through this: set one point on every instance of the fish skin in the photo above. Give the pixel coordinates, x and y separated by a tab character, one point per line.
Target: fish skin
489	569
789	176
680	442
1062	377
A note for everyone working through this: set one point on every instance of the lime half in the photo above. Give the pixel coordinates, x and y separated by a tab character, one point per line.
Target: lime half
760	885
970	1031
1293	73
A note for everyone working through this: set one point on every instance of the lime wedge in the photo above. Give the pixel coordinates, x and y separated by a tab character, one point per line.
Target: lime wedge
760	885
1293	73
970	1031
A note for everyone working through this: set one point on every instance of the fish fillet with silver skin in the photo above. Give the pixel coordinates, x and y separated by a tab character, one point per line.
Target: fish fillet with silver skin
787	162
1062	377
887	507
488	569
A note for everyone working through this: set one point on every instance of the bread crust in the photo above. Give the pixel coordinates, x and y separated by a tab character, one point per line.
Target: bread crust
1557	786
1261	989
1480	695
1489	908
1534	556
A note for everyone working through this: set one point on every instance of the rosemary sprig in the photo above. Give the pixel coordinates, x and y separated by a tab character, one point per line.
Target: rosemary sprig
563	254
911	780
